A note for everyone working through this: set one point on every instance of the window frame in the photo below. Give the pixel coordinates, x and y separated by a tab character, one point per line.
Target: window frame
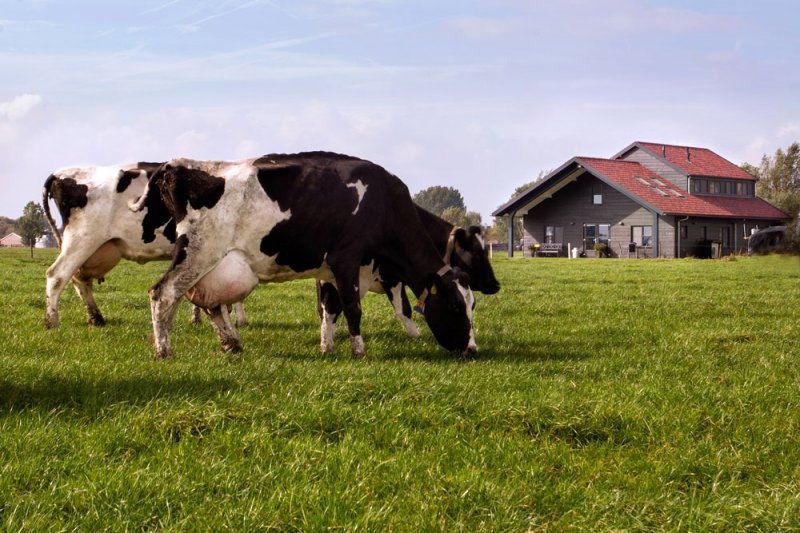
648	237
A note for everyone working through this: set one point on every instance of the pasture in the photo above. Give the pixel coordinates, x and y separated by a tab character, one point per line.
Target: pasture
607	394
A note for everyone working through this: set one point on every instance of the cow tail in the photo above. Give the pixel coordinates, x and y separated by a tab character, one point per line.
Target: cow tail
46	207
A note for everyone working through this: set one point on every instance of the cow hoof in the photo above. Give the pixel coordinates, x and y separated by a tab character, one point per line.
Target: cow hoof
327	349
195	320
357	344
471	351
241	323
412	330
50	323
97	320
232	346
164	354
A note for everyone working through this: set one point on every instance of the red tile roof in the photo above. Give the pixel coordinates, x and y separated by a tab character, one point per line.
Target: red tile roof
675	201
700	161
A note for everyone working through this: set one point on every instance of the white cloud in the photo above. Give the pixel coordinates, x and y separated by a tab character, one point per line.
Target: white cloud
19	106
788	129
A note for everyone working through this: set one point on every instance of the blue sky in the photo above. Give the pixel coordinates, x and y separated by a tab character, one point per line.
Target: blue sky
480	95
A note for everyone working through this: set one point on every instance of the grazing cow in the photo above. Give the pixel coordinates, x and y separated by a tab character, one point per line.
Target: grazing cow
767	240
100	229
309	215
459	247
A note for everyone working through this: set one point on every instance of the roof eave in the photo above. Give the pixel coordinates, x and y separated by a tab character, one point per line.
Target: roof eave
526	196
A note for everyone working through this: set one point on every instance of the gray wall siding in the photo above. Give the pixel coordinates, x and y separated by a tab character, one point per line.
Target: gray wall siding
715	229
659	167
571	208
667	236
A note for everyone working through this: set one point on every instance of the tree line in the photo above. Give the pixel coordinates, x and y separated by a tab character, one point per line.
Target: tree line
30	226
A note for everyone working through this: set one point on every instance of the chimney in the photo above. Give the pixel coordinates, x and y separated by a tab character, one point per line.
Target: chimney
663	151
688	154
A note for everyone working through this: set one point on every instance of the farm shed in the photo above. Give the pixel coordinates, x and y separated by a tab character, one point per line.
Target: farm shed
649	200
11	240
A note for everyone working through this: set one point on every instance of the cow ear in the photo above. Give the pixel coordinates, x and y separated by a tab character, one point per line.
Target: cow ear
434	283
461	237
474	230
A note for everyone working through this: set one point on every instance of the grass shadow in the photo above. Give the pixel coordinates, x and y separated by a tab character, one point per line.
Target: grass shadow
92	395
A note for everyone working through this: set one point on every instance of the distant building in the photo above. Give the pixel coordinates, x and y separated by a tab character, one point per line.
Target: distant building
46	241
11	240
649	200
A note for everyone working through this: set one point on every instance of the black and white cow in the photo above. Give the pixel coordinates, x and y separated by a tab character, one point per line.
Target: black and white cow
767	240
459	247
100	229
309	215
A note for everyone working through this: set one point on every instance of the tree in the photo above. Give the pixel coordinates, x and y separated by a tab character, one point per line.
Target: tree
779	183
7	225
473	218
438	198
31	225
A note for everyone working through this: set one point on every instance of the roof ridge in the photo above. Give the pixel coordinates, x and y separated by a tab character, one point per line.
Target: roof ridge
676	145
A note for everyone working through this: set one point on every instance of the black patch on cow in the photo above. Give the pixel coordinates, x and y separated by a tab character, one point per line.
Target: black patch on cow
329	299
170	230
172	189
68	195
180	250
126	178
315	189
181	187
156	216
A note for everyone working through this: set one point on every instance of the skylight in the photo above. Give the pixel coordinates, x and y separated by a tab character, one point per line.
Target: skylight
644	181
677	193
662	193
659	182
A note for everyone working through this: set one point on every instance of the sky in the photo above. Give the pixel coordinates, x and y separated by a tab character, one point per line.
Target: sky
481	95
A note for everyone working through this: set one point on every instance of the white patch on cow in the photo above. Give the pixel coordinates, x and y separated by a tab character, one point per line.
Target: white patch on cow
327	329
106	221
397	303
361	190
469	299
357	344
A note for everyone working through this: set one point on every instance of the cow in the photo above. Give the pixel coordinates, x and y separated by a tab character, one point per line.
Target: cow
459	247
281	217
767	240
100	230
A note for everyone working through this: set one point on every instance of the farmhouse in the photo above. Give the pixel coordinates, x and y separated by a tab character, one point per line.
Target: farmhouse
12	239
649	200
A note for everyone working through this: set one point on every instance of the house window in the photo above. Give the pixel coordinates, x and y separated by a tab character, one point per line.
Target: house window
595	234
684	232
553	234
642	235
714	187
597	193
704	232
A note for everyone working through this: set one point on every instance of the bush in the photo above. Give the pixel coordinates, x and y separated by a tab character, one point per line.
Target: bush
602	250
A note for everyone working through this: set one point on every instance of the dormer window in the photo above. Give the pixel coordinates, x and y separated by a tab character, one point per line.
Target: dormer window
719	187
597	193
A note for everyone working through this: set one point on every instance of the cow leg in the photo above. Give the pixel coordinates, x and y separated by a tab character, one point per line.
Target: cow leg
84	290
66	264
397	295
349	292
241	316
197	315
228	336
330	307
168	291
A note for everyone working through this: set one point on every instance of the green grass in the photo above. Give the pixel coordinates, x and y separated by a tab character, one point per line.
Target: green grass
608	394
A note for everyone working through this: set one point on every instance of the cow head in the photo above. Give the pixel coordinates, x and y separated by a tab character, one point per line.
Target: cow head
468	252
447	306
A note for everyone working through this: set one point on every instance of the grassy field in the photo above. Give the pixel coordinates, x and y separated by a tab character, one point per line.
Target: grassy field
607	394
